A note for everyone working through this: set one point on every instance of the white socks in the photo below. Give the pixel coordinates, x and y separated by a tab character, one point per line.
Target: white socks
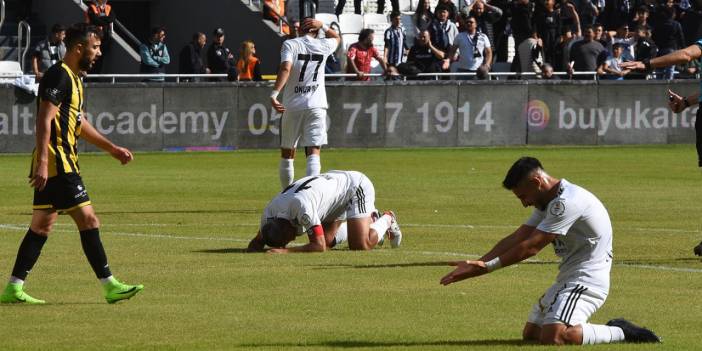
381	226
15	280
314	166
601	334
286	172
342	234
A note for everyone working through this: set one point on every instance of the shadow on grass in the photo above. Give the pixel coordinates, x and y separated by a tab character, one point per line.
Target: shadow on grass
384	344
222	251
400	265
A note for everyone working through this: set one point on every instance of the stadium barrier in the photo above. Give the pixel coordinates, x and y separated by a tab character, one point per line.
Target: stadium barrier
148	117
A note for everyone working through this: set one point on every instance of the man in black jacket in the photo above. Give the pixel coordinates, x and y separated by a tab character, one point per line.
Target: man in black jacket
220	59
190	58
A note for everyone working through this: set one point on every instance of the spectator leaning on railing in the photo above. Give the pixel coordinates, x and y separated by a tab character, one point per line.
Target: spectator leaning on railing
474	47
585	53
49	51
248	66
423	57
395	41
154	55
360	55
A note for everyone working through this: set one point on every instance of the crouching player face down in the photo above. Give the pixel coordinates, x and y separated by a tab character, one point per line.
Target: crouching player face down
316	206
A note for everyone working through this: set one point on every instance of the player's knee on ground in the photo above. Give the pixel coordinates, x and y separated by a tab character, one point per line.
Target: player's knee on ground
561	335
359	244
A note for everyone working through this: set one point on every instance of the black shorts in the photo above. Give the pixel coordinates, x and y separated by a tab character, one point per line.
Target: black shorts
64	192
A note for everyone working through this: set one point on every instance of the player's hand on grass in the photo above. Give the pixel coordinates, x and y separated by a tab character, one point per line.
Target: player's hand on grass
464	270
40	176
122	154
277	105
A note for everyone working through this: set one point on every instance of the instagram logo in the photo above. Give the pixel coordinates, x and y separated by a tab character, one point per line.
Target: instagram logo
536	114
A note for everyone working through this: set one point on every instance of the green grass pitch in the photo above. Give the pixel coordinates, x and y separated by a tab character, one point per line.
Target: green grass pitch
178	223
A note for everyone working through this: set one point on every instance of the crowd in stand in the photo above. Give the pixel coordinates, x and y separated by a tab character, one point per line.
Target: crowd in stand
154	55
563	35
549	35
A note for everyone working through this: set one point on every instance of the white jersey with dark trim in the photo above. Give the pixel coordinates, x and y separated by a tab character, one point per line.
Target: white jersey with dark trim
314	200
305	86
584	230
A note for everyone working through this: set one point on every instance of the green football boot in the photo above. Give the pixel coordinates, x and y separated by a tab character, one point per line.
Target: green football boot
15	294
116	291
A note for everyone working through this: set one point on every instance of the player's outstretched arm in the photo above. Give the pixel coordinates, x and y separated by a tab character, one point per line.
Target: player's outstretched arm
536	241
316	244
522	233
677	57
94	137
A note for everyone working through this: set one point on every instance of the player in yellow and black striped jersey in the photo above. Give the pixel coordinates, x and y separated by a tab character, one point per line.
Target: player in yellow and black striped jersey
65	190
55	174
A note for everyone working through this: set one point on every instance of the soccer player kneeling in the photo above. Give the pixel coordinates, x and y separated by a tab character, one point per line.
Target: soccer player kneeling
577	224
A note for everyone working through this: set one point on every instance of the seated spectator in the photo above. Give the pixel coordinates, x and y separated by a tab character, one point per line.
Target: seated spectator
220	59
531	54
473	46
49	51
585	53
547	72
360	55
395	41
248	66
422	16
154	55
190	58
423	57
611	67
442	30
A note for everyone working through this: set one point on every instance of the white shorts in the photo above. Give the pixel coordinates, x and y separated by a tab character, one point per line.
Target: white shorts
309	127
566	303
362	203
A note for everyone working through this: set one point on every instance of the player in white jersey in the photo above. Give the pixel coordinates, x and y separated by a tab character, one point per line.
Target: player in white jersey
577	224
317	206
304	105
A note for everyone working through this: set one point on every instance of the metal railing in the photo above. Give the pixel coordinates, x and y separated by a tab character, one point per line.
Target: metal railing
2	12
118	38
181	78
21	54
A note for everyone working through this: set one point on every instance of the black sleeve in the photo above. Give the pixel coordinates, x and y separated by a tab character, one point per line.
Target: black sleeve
257	72
55	85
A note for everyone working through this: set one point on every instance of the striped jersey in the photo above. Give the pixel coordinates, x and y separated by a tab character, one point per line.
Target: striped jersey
314	200
584	241
396	43
63	88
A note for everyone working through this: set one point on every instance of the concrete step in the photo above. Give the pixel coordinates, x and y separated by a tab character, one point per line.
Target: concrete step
8	53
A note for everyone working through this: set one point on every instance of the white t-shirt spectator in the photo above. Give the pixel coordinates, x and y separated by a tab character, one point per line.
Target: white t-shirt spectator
466	47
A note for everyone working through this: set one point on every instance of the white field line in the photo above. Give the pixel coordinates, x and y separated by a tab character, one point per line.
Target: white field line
15	227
